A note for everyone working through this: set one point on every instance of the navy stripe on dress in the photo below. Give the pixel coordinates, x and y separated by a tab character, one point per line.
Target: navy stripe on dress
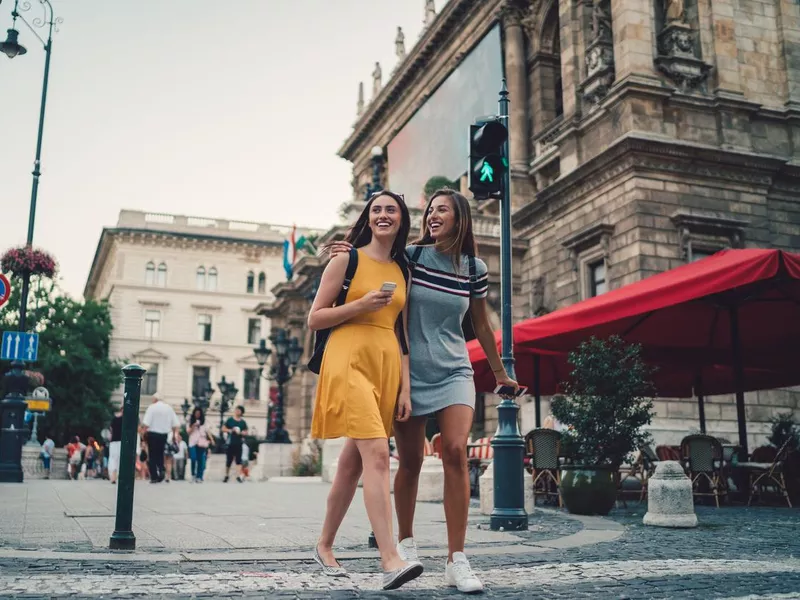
449	282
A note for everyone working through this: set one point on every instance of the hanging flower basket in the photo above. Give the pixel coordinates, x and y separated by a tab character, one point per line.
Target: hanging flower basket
28	260
35	378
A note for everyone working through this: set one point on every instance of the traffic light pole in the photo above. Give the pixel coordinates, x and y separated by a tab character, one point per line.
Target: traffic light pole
509	495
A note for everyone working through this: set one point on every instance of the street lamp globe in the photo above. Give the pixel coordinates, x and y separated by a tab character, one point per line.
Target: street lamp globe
376	152
279	341
11	47
262	353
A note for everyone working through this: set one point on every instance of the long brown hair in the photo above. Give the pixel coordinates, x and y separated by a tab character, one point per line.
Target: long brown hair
464	241
360	234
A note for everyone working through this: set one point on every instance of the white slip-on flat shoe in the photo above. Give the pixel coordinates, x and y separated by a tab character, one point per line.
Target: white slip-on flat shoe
394	579
330	571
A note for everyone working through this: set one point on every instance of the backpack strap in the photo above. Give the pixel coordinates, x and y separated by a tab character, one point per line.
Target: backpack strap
352	265
414	258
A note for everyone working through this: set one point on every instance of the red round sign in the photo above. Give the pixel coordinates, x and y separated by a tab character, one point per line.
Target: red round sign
5	289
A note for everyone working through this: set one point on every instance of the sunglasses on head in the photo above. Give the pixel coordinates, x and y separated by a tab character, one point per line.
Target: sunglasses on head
387	193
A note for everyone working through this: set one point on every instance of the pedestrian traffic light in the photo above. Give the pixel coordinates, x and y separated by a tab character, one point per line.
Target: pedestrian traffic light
487	163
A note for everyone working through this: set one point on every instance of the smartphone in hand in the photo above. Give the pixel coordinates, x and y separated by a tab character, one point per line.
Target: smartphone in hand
388	286
507	390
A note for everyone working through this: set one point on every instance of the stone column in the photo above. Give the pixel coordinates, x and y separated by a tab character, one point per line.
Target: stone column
517	80
718	33
789	35
516	77
633	38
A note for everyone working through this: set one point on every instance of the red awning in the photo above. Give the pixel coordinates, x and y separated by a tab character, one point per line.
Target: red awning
684	318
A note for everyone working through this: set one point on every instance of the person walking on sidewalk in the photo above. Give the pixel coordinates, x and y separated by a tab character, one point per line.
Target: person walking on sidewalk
115	447
159	420
48	447
448	282
236	428
199	440
363	379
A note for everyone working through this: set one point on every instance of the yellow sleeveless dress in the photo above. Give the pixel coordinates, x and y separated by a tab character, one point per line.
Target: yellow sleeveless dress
359	379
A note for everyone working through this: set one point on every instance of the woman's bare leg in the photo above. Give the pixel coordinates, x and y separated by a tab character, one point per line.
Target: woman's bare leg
375	459
410	438
340	497
455	423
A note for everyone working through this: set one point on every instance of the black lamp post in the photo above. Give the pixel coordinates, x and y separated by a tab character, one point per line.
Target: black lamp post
185	408
287	353
227	391
204	399
377	159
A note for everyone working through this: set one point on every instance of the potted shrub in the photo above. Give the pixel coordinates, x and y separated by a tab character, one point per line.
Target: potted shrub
605	410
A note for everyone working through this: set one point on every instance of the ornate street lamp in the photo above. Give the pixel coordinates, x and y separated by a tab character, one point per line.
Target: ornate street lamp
185	408
12	408
286	354
227	391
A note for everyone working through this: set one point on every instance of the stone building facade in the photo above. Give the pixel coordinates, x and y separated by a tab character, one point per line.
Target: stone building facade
183	292
643	134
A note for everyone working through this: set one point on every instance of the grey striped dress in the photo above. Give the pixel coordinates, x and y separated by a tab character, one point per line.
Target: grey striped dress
441	374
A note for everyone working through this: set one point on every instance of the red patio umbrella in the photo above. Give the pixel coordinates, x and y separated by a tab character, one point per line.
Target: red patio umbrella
727	323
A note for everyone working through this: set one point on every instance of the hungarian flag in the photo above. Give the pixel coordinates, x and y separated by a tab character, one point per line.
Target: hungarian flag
291	249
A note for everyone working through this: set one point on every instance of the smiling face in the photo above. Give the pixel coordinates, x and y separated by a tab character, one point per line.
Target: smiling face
384	217
441	218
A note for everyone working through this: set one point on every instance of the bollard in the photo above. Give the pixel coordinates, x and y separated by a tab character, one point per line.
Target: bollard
669	497
123	538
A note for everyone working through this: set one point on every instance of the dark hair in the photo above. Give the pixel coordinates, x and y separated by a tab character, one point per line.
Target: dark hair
241	408
195	419
464	240
360	234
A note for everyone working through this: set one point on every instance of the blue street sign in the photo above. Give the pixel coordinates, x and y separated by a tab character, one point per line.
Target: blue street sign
20	346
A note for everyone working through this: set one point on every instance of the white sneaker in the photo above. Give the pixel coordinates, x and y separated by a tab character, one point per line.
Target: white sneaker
407	549
459	574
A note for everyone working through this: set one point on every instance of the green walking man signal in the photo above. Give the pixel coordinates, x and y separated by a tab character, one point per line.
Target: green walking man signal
487	161
487	172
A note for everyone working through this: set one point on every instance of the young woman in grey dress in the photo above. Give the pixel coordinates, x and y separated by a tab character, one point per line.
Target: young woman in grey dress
441	295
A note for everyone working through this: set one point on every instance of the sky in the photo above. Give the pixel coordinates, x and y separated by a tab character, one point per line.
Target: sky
200	107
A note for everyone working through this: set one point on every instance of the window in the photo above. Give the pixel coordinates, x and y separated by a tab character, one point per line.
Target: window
150	379
204	328
262	283
252	384
152	324
700	253
251	281
253	331
161	280
201	376
212	279
597	278
200	278
150	274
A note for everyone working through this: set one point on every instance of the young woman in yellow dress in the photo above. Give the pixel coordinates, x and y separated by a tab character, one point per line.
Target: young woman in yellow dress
364	381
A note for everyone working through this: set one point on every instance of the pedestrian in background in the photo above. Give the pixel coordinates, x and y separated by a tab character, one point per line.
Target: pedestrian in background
115	446
236	428
159	420
180	458
48	447
199	441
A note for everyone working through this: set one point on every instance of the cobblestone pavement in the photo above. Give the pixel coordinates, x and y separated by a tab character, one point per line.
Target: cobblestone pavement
735	554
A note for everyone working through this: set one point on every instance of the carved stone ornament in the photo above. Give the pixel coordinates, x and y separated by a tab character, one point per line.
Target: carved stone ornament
599	55
677	58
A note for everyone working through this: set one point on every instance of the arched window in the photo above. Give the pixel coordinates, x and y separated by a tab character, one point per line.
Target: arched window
200	278
544	68
262	283
251	281
150	274
212	279
161	280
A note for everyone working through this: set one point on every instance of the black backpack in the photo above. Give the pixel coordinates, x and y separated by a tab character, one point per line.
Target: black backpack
321	336
466	323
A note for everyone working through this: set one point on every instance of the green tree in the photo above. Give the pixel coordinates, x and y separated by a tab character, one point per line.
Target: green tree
73	357
437	182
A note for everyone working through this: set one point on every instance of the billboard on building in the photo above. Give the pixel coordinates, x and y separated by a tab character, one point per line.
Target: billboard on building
434	141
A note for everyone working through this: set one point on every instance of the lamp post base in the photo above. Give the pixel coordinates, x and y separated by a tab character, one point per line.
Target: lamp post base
122	540
508	519
279	436
12	428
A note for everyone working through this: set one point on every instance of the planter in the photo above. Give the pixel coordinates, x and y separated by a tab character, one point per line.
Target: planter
588	490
